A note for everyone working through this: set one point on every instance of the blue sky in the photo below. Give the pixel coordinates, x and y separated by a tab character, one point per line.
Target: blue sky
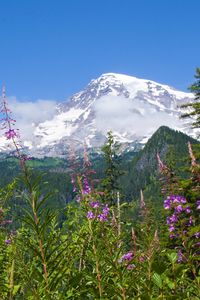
51	49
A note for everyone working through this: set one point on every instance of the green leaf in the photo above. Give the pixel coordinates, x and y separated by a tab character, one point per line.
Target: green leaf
156	278
172	257
16	289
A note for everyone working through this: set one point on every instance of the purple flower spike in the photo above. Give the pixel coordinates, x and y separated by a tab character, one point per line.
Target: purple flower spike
171	228
183	200
106	210
94	204
190	221
172	236
78	199
8	242
178	209
90	215
11	133
167	203
197	235
128	256
187	210
180	256
198	204
172	219
102	218
141	258
86	187
130	267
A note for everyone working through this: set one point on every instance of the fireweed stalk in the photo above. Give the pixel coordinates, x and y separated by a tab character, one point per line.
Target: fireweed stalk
92	208
12	134
183	215
95	212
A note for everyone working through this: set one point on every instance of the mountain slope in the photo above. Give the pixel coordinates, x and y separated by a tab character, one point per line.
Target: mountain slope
143	170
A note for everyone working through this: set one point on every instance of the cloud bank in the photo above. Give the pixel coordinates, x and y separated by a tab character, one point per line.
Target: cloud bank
28	114
134	116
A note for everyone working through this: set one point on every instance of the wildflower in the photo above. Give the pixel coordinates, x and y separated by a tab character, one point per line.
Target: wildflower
190	221
187	210
180	256
86	187
102	217
182	200
130	267
172	219
94	204
173	236
10	134
78	198
197	235
198	204
178	209
174	199
90	215
8	242
141	259
171	228
167	203
178	199
127	257
106	210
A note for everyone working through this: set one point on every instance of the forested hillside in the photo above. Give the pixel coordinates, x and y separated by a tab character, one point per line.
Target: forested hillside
139	171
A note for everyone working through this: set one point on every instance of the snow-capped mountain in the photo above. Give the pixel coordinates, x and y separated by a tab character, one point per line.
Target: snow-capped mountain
132	108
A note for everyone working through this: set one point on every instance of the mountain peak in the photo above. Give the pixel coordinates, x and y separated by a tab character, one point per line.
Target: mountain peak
136	84
118	76
132	108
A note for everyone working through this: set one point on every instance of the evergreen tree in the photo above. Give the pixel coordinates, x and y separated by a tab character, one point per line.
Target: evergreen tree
195	106
110	183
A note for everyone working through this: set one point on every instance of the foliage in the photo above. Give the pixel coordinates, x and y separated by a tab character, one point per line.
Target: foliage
194	106
110	182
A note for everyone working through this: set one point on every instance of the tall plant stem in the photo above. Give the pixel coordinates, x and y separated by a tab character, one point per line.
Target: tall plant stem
96	262
98	271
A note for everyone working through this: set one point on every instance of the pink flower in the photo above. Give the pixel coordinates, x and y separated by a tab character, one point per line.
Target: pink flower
10	134
90	215
94	204
8	242
102	217
128	256
130	267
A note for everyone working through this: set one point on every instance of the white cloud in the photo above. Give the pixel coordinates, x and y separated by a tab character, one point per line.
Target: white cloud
131	115
28	114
